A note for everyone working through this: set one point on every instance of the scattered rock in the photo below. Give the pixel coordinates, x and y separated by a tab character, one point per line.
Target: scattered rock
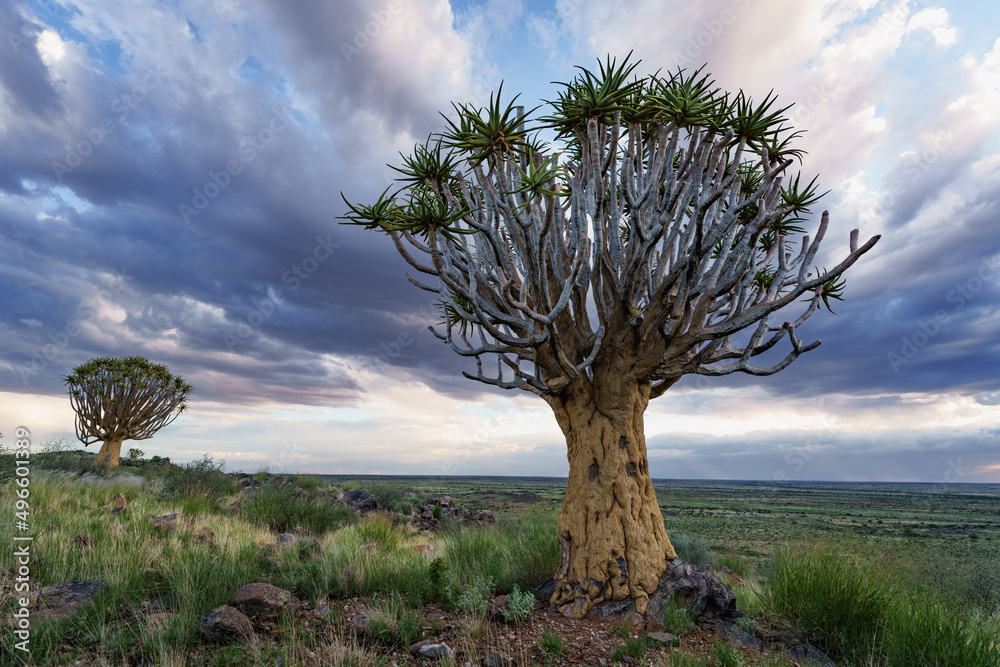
304	656
810	653
423	518
242	479
480	516
360	501
703	593
82	541
62	600
663	638
307	546
415	648
544	592
264	601
166	523
84	589
492	659
611	609
496	607
322	610
360	622
120	502
738	636
225	623
436	652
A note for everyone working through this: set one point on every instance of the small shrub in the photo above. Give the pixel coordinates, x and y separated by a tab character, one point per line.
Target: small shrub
380	530
691	550
308	482
135	453
623	629
924	632
519	605
727	655
746	624
473	598
349	486
676	620
437	512
281	508
390	496
438	580
633	647
202	478
552	643
838	603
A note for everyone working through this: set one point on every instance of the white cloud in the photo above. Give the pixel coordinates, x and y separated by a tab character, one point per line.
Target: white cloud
934	20
51	47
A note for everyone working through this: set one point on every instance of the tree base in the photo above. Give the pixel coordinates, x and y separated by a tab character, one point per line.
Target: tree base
703	594
109	455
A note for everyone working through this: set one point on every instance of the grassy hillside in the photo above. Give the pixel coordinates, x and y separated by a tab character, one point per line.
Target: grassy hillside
872	574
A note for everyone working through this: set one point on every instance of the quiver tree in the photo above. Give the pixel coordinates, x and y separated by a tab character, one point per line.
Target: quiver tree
655	242
126	398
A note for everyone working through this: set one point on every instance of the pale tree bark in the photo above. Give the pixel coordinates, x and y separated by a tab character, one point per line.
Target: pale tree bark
612	539
108	457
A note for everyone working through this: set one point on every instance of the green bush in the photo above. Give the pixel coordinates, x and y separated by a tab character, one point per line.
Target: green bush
308	482
675	619
727	655
519	605
838	603
203	478
922	631
281	508
472	599
552	644
390	496
633	647
380	531
691	550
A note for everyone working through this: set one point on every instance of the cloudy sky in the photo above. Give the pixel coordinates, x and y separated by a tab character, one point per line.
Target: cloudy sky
169	187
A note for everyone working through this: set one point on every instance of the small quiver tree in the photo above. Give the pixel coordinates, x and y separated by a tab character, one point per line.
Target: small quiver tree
128	398
659	247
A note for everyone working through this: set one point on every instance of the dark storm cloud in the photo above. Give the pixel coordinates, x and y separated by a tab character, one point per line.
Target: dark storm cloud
220	260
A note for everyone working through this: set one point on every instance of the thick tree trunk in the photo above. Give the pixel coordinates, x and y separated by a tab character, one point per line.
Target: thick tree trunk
110	451
611	534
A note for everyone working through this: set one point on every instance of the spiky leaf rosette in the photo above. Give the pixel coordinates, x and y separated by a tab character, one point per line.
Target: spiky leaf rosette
125	398
659	223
